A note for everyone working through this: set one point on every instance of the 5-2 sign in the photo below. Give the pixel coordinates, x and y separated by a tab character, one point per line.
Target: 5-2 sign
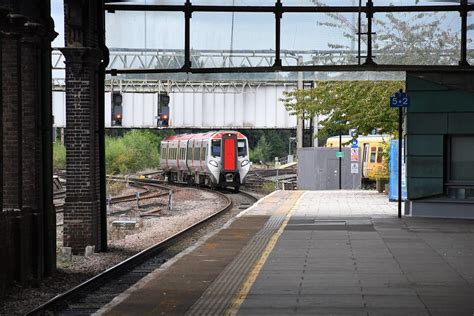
399	100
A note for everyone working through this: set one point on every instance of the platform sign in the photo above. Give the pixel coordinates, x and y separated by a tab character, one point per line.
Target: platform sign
355	143
354	167
354	154
339	154
399	100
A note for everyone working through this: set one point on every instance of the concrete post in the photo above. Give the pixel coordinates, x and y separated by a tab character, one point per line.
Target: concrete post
299	121
316	131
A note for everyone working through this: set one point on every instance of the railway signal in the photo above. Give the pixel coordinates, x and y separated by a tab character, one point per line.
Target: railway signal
163	110
117	109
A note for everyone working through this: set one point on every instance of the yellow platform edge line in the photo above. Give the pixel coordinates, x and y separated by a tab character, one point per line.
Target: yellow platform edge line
241	295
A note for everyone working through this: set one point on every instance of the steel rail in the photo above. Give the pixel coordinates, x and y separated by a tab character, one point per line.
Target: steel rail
128	264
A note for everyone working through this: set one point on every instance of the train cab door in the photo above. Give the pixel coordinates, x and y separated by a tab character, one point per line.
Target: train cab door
229	152
365	160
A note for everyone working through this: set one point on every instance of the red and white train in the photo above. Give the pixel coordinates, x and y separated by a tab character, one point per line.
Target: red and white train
216	159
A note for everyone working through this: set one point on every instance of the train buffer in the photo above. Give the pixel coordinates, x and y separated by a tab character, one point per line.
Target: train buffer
316	252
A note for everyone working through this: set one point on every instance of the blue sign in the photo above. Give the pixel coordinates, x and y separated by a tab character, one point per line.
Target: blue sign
355	143
399	100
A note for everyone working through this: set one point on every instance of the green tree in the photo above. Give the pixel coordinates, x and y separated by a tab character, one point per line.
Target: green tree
262	152
59	156
362	105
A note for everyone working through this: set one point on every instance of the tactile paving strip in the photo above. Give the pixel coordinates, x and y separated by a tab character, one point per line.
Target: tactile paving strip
219	294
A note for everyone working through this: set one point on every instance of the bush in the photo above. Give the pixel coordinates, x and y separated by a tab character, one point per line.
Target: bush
59	156
135	151
268	187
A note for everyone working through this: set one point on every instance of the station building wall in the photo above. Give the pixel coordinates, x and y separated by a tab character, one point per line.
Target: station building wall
442	107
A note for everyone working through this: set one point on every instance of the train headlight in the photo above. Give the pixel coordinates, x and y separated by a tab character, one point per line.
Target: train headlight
245	162
213	163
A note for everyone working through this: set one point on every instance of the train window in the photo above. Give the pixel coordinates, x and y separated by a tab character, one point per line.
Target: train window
380	155
373	153
366	153
203	154
242	148
189	153
216	148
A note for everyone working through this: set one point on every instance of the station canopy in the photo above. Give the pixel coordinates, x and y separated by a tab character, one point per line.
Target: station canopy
274	40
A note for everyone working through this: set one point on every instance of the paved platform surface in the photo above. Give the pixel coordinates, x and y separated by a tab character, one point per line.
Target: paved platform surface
317	253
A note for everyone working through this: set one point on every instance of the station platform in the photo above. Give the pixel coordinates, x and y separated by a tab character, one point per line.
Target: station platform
316	253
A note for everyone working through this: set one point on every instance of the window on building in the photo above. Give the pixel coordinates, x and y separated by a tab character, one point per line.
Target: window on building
460	181
461	159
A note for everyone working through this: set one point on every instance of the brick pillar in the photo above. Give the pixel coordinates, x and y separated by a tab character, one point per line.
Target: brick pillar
31	115
82	209
12	112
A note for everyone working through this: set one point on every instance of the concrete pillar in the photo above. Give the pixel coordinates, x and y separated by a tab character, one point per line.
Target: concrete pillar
299	120
82	208
315	131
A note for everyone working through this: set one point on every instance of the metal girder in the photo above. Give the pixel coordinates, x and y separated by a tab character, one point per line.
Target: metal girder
165	60
176	86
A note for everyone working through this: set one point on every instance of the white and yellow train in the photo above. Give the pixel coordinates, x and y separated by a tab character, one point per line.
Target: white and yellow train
373	161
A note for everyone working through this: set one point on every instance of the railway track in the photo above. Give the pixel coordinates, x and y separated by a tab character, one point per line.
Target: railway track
145	194
90	296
